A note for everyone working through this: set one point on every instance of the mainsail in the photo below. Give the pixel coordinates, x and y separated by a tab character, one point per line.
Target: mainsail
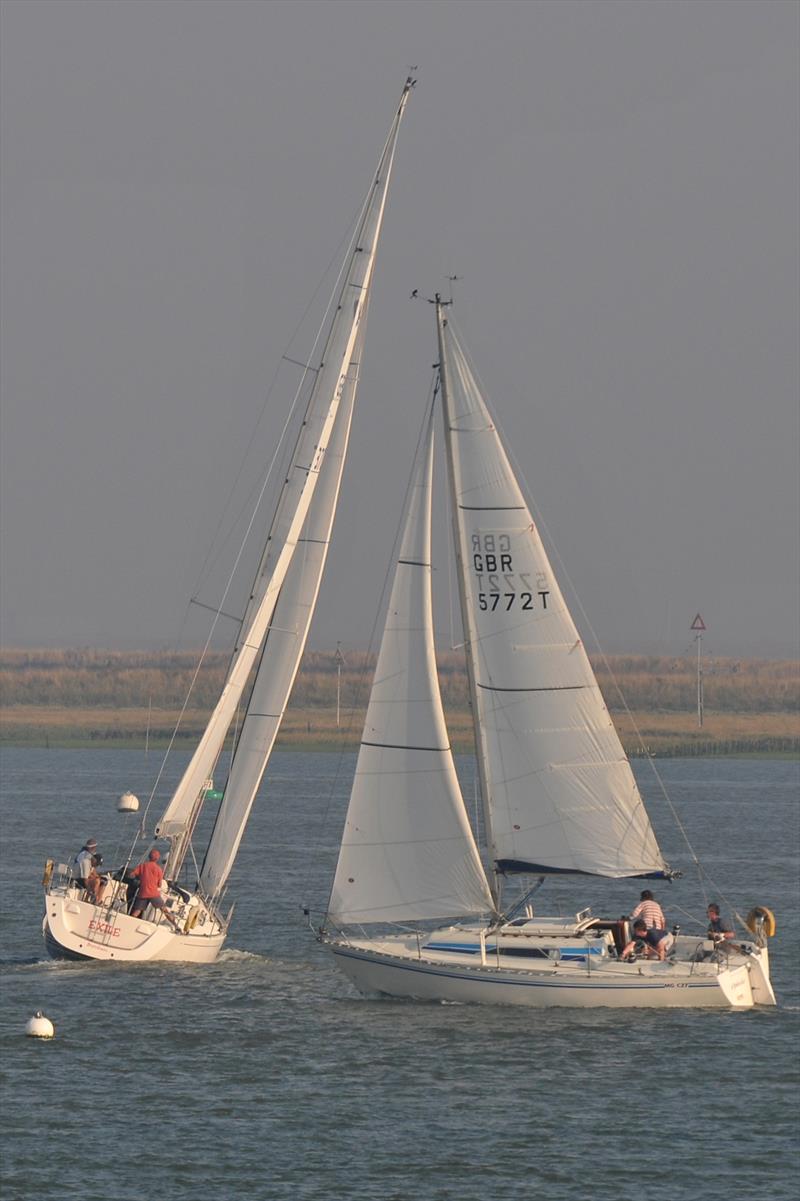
407	851
559	793
325	426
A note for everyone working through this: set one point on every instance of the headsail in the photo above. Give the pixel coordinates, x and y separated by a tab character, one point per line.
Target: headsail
333	388
283	650
560	795
407	851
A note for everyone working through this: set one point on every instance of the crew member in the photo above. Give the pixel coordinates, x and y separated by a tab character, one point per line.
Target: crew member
653	944
651	911
150	875
718	930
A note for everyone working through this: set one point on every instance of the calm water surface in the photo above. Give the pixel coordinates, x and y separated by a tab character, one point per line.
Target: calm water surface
265	1076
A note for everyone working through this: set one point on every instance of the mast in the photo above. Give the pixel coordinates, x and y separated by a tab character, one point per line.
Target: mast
466	616
334	380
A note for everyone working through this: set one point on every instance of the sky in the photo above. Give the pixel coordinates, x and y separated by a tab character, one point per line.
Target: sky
616	184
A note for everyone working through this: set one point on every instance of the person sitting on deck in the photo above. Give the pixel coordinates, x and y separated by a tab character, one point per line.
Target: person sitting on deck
150	875
651	911
95	882
718	930
83	867
653	944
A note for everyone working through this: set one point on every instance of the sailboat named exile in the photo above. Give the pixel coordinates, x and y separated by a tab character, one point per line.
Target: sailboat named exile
100	924
558	793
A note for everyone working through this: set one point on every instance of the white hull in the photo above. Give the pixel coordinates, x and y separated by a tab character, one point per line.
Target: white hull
400	967
78	929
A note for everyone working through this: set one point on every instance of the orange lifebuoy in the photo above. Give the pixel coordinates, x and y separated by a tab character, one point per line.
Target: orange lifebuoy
761	920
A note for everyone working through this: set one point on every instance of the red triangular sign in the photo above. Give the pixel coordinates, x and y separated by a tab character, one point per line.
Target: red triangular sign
698	623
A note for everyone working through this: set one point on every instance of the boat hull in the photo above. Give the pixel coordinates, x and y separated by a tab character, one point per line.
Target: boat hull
616	986
78	929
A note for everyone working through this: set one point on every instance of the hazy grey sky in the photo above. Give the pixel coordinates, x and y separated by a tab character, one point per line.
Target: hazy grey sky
616	182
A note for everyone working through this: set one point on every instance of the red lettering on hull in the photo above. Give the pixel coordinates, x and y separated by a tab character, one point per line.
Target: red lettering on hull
103	928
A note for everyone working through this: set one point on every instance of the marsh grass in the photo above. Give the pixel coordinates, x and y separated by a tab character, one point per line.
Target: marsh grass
121	697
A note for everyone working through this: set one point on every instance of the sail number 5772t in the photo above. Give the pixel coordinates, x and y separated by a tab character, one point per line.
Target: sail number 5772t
498	585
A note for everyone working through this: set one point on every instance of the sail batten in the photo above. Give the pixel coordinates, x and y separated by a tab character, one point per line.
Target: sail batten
407	746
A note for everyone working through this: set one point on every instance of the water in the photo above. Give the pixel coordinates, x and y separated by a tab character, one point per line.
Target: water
265	1077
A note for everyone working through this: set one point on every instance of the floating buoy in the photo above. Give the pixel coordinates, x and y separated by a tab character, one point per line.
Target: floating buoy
128	803
40	1027
761	920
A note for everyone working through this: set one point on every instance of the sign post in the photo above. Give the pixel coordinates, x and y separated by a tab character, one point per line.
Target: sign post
698	625
339	661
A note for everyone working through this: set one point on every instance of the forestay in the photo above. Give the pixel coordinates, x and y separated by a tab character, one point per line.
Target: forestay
559	792
407	851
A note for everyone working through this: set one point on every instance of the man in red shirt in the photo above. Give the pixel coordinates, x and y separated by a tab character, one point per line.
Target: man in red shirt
150	875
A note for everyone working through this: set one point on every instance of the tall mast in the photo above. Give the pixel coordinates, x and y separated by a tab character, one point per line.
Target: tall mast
335	377
466	616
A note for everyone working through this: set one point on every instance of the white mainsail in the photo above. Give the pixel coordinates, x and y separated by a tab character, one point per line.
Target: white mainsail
408	852
560	795
335	379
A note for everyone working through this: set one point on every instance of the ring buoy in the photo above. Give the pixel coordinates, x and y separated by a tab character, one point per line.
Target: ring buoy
761	920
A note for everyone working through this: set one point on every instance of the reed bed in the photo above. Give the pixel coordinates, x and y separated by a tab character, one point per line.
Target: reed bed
110	697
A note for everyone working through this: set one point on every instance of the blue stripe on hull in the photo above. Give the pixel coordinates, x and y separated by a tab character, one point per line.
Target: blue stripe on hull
470	978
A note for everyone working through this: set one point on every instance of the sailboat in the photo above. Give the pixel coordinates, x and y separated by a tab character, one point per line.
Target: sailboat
558	793
264	663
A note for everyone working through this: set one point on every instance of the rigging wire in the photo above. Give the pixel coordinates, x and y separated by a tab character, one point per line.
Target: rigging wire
245	539
348	239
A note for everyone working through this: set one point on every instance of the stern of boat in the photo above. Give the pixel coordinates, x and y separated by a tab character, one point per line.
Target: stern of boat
75	927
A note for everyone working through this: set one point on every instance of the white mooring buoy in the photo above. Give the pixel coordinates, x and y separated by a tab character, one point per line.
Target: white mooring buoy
128	803
40	1027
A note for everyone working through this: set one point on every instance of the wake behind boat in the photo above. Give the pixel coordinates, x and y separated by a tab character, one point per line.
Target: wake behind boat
183	920
558	793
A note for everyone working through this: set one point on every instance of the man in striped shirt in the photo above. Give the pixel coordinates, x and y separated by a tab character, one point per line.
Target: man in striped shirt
651	911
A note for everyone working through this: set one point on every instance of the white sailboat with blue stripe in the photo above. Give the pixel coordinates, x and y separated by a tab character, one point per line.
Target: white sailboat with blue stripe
558	793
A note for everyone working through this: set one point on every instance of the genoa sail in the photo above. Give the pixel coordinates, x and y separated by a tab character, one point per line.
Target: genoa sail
283	649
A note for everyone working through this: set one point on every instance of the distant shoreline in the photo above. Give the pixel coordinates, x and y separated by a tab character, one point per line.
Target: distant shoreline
84	698
662	735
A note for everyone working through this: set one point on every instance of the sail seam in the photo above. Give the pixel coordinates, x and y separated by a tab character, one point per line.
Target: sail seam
413	562
491	508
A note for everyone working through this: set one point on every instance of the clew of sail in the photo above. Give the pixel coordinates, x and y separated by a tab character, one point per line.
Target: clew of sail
408	852
559	793
333	382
